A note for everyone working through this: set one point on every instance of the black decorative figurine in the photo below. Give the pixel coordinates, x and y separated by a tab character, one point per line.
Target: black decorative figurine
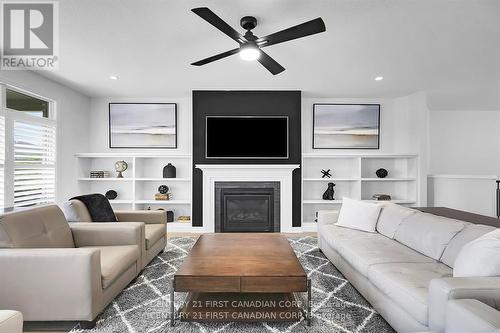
169	171
381	173
329	193
326	173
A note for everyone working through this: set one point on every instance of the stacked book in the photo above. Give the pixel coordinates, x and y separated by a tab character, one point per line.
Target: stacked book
166	196
184	218
99	174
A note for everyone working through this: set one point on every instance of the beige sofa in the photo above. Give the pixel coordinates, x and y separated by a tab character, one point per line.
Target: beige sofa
55	271
154	230
11	321
405	269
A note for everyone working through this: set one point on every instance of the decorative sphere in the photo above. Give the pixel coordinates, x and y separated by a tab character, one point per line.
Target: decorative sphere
381	173
163	189
121	166
111	195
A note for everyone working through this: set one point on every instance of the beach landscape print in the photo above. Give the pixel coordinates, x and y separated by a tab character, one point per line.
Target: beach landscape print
142	125
346	126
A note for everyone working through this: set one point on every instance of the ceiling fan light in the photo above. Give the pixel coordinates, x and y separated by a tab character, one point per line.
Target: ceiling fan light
249	52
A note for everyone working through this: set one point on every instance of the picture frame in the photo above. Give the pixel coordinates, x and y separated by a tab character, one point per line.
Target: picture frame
142	125
346	126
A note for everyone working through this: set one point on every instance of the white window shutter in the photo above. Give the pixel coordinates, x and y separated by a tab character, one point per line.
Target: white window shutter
34	163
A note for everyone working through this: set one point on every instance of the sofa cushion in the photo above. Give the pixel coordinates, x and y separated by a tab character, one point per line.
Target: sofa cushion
76	211
40	227
391	217
115	260
362	253
406	284
428	234
468	234
11	321
359	215
481	257
154	232
332	233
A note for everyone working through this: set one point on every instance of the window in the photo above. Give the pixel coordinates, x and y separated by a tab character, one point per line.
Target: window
27	150
25	103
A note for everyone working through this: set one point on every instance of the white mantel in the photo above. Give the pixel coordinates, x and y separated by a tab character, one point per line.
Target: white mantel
281	173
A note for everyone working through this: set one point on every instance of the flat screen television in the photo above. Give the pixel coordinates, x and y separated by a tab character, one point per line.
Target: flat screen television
246	137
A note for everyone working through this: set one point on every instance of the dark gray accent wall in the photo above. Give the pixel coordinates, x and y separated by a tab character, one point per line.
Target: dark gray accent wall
238	103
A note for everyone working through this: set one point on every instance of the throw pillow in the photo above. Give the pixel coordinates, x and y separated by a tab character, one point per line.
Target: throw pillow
481	257
358	215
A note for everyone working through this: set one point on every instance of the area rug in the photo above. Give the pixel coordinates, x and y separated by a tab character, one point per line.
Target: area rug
143	306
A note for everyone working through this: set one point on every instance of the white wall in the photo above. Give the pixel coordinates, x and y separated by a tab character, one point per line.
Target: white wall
465	142
99	122
72	124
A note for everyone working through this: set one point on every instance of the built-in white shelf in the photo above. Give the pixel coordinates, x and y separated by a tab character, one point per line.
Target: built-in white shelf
321	202
121	202
395	201
107	179
141	180
338	202
163	202
163	179
309	226
330	179
179	226
131	155
355	177
337	156
388	179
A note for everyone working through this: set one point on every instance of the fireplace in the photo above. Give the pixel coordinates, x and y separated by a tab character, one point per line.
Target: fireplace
247	207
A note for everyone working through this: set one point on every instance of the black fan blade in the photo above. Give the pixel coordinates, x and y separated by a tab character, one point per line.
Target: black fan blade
215	57
217	22
271	64
302	30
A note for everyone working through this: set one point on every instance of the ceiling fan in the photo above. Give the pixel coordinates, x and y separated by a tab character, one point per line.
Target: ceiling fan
250	45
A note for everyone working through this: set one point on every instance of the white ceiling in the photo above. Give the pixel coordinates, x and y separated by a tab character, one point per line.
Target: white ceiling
449	48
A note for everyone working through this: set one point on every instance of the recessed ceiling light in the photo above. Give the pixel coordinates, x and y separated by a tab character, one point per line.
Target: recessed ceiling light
113	77
379	78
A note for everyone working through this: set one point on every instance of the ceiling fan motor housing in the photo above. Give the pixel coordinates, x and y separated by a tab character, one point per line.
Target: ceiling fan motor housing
248	22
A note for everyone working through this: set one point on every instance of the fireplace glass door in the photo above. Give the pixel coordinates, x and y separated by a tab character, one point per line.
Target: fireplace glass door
247	210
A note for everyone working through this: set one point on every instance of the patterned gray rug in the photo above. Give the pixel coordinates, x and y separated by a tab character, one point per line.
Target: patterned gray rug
143	306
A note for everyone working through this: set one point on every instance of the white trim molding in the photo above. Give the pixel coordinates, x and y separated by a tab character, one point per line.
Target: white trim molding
281	173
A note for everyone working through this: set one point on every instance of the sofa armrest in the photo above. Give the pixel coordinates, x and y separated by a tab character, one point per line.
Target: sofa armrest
484	289
11	321
51	284
327	216
107	233
146	216
470	315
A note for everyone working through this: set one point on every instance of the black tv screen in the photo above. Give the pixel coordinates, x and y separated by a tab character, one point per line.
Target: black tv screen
247	137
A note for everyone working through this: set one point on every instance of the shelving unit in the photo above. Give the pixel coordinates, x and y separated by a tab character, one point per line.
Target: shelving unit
141	181
354	177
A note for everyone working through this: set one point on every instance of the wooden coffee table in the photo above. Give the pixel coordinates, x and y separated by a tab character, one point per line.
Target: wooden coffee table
241	277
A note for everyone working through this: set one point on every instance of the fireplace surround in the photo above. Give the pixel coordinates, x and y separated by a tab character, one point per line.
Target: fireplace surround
247	206
279	173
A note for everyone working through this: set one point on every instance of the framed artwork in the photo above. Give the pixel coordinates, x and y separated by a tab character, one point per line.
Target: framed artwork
346	126
143	125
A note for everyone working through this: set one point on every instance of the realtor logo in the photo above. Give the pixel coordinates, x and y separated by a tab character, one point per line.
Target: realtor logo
29	35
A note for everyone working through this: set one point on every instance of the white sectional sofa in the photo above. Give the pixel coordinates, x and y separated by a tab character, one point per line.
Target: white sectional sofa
11	321
405	268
